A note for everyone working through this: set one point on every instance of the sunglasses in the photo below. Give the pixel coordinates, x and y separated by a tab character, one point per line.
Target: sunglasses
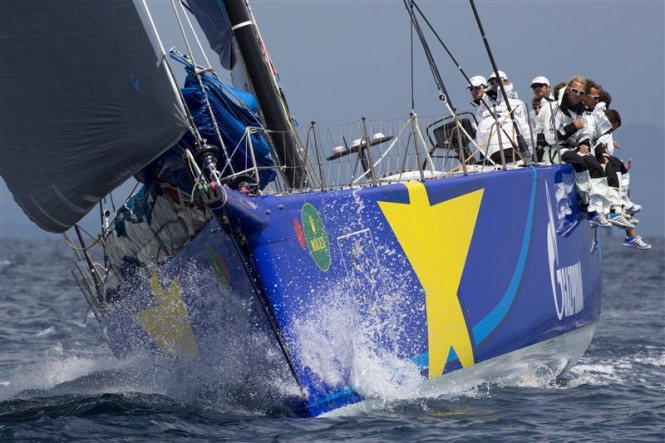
476	88
595	97
493	80
576	91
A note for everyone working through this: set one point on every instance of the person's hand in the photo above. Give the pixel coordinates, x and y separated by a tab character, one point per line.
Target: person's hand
629	164
579	123
584	150
617	145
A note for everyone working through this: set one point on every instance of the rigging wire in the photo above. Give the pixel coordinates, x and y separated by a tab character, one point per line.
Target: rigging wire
459	67
443	93
190	119
445	47
183	33
186	8
522	148
413	102
215	175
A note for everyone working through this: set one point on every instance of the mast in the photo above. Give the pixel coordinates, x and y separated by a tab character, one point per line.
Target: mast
284	137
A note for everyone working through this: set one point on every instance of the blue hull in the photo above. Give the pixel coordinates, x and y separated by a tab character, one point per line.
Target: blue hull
435	276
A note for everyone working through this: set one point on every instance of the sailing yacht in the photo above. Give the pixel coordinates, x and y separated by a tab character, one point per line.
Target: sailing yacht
261	255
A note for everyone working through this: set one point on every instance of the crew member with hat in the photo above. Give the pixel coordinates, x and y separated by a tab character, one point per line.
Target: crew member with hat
541	87
496	132
500	77
544	107
477	87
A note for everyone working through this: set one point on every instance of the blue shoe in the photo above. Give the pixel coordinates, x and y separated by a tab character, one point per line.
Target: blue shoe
636	243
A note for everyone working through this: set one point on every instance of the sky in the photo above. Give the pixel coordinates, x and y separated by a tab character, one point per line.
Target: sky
342	60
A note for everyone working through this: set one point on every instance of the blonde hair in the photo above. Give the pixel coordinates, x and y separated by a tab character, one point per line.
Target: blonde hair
577	79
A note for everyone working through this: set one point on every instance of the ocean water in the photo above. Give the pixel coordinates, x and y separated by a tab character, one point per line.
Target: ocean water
60	382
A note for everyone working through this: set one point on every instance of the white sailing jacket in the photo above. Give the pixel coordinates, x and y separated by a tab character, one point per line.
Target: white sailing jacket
496	127
568	136
545	120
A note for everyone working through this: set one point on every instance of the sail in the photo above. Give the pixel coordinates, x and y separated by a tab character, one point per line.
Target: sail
215	23
87	100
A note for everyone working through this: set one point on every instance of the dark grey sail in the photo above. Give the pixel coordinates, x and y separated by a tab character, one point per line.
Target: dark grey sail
86	100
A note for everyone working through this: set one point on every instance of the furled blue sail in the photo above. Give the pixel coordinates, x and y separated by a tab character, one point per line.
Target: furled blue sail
214	21
213	18
234	110
87	100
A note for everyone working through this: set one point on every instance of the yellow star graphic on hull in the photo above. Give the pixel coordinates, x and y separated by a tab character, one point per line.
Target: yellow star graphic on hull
167	323
436	240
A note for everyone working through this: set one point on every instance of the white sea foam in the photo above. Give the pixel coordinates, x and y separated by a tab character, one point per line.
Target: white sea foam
59	371
647	361
340	344
46	332
49	373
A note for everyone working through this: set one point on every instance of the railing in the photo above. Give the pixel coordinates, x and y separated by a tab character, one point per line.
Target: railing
363	153
369	152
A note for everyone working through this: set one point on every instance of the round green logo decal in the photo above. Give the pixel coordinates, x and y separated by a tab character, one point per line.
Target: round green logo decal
316	236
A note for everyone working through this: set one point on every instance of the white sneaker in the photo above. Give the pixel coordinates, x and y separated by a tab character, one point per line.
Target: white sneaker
633	209
620	221
636	243
599	220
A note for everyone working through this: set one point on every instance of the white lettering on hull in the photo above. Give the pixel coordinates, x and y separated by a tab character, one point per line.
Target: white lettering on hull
569	281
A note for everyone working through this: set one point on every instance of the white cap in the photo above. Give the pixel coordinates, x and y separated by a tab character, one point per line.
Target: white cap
540	80
502	75
477	80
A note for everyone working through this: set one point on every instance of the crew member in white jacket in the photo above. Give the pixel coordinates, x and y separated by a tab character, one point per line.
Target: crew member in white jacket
497	135
543	120
574	129
479	100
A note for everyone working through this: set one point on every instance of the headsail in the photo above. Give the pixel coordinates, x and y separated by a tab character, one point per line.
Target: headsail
87	100
216	26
